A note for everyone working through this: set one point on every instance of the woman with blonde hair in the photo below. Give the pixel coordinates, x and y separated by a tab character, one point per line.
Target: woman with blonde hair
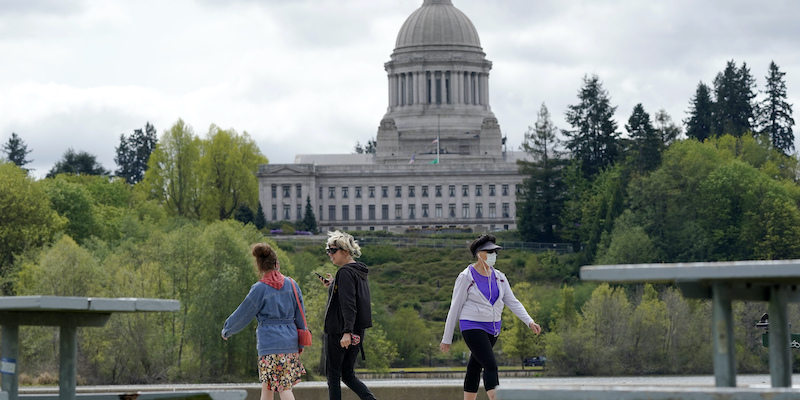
347	315
272	302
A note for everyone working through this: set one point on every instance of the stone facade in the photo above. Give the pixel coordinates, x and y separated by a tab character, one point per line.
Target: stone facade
441	159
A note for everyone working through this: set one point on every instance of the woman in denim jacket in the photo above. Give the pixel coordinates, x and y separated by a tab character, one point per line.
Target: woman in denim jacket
272	302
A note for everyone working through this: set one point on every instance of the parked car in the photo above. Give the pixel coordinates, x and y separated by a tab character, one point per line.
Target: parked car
537	361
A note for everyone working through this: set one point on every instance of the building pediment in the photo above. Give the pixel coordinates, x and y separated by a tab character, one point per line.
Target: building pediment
285	170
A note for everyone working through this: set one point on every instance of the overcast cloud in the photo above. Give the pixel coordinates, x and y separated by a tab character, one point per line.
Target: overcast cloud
306	76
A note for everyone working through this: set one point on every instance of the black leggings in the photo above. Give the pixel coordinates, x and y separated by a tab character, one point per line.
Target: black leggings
480	343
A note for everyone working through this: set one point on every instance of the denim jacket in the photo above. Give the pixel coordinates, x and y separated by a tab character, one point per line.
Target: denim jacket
277	314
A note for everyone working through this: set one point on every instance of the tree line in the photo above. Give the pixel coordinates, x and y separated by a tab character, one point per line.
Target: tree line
727	191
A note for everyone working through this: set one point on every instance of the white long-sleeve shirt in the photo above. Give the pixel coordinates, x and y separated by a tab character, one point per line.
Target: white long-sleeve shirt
470	304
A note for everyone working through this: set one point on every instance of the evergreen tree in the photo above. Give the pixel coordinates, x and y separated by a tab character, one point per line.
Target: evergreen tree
260	220
646	141
133	153
775	113
667	130
735	110
540	203
80	163
369	148
309	220
16	150
701	114
594	140
244	214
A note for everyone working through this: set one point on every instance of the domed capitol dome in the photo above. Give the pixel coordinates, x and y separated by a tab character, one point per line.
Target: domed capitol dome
438	80
440	23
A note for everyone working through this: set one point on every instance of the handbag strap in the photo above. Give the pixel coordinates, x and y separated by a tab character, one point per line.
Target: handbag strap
298	302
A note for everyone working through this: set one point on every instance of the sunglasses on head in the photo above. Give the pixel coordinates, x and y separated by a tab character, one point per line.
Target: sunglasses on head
332	250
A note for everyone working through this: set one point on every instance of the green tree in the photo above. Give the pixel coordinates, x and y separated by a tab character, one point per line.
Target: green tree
309	219
244	215
75	203
701	114
172	174
28	219
518	341
646	141
228	168
540	203
369	148
649	327
605	320
379	350
629	244
133	153
734	106
667	130
593	140
260	220
775	113
411	336
77	163
16	150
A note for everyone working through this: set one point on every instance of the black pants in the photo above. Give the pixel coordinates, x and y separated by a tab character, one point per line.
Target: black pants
480	343
340	366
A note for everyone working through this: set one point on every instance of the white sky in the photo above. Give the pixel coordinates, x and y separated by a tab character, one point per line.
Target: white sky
306	76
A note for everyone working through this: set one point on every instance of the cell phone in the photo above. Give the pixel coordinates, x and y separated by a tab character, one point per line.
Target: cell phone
321	277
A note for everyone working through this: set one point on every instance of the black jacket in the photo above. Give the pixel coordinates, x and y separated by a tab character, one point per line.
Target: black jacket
349	308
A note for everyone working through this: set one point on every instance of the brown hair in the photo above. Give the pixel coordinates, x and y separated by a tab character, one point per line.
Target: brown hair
480	241
265	258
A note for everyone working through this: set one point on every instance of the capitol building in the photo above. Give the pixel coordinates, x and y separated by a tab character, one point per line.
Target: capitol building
440	159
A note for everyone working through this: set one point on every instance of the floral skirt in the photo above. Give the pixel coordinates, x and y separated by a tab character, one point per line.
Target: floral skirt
280	371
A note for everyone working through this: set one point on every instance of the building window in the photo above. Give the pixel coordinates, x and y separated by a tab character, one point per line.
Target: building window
274	212
358	192
505	210
331	213
438	211
320	212
398	191
320	192
345	191
411	191
465	211
478	190
385	211
452	211
492	210
452	190
491	190
286	212
274	191
384	191
298	189
287	190
358	212
371	212
345	213
371	191
438	192
412	211
505	190
424	211
398	211
331	192
479	210
299	212
425	191
465	190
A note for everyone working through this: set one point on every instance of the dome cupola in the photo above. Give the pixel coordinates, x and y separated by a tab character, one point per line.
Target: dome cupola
437	23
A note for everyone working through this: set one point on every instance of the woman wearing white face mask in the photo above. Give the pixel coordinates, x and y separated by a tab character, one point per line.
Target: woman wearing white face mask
479	295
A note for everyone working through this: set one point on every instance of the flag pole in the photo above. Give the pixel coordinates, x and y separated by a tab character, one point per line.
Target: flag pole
438	124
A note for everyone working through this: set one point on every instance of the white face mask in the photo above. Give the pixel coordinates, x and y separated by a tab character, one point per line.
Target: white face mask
491	258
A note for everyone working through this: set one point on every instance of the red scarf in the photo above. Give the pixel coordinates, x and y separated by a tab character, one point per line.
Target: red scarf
273	278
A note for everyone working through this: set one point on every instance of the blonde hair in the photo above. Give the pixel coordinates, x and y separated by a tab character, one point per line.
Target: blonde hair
265	258
345	242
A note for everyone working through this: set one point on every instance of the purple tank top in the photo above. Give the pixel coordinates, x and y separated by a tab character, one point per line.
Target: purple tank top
482	283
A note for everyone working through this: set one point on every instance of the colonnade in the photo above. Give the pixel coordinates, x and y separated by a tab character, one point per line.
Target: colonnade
438	87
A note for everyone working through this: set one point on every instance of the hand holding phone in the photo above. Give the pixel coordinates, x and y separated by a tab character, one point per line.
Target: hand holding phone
323	278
